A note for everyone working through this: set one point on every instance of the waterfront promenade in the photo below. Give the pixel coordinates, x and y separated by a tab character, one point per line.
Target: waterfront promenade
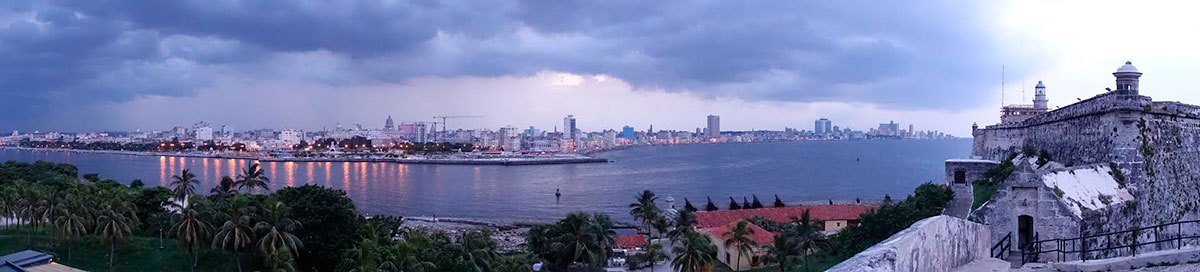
455	160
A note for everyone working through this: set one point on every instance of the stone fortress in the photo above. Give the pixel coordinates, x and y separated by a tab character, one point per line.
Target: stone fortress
1112	162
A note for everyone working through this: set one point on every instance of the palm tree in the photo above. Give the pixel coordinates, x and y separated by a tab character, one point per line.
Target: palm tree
236	233
477	249
781	250
70	224
683	224
654	253
278	242
693	254
739	238
6	205
644	209
184	184
113	227
28	207
252	177
224	189
192	231
584	240
807	237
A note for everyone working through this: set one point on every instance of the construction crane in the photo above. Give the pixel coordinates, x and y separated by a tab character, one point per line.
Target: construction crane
450	117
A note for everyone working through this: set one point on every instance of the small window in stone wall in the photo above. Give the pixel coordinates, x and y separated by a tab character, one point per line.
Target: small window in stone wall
960	176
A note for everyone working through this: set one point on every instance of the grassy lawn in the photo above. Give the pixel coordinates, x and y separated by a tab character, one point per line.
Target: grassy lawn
818	264
983	192
136	254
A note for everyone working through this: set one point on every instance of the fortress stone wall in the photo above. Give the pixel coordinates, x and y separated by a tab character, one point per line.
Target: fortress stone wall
1155	147
924	247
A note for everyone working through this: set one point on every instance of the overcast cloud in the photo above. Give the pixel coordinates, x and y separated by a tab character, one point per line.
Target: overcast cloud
68	65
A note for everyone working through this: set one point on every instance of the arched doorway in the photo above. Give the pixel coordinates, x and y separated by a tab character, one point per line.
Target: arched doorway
1024	230
960	177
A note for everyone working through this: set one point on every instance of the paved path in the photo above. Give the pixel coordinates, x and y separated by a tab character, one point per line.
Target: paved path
960	206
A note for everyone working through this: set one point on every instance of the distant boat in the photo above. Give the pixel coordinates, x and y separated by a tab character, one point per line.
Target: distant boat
856	159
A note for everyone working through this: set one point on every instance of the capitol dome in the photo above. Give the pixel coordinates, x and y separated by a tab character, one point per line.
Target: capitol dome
1127	68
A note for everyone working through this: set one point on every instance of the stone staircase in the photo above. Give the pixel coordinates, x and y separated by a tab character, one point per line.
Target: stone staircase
960	206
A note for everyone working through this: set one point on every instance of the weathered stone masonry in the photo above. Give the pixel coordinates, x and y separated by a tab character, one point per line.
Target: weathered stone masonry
1155	146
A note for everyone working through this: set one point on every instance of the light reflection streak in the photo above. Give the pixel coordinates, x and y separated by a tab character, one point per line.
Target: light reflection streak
346	177
162	166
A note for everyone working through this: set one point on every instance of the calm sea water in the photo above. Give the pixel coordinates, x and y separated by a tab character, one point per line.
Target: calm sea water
796	171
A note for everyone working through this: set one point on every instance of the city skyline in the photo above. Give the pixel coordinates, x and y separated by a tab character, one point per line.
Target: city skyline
117	67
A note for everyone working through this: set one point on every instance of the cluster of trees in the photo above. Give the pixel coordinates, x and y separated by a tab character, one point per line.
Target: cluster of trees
267	230
172	145
875	226
384	246
91	145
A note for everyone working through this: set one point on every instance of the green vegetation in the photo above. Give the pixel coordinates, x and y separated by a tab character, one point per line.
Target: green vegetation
875	226
1117	174
90	253
983	190
578	241
1043	158
98	224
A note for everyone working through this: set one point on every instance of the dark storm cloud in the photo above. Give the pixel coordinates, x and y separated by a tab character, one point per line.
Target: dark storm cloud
896	54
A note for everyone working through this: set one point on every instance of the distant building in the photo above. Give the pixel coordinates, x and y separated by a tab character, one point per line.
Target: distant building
291	136
714	126
823	126
889	129
204	132
627	133
533	132
389	125
570	132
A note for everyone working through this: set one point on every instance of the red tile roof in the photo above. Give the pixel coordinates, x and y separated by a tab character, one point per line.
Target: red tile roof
630	241
785	214
760	235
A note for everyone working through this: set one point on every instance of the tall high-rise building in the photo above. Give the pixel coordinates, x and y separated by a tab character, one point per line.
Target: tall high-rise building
569	129
714	126
627	133
203	131
823	126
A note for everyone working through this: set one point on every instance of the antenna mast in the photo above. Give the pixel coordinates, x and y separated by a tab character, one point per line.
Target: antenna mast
1001	86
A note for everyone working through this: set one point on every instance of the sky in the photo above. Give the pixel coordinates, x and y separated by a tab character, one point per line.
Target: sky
152	65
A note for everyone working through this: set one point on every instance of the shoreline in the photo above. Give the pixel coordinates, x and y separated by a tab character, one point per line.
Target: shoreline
447	161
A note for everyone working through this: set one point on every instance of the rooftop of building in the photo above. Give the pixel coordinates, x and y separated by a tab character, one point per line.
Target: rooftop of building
785	214
631	241
1127	68
759	235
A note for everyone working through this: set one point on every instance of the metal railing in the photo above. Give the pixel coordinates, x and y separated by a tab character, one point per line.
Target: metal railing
1031	246
1104	243
1004	245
